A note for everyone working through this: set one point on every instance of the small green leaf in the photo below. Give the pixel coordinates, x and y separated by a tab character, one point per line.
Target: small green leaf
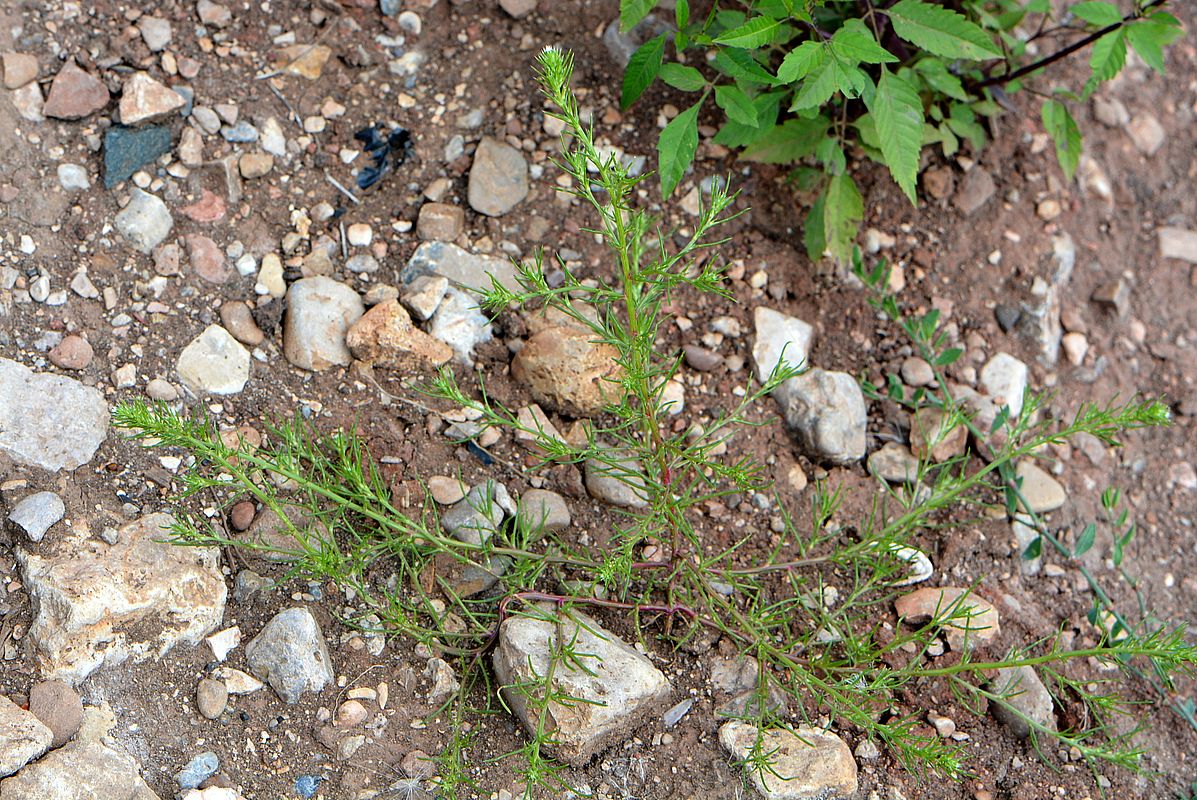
1084	543
642	70
737	105
813	236
786	143
843	211
1033	550
948	356
1106	59
738	64
935	73
679	76
855	43
940	30
676	147
733	134
756	32
898	115
681	14
1064	132
831	76
632	11
1150	36
1097	13
963	122
799	62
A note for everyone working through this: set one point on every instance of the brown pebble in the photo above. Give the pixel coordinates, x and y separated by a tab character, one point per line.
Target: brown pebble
211	697
242	515
239	321
59	708
73	352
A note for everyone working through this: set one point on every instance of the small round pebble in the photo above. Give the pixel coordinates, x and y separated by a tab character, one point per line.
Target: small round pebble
242	515
917	372
211	697
58	707
73	352
350	714
359	234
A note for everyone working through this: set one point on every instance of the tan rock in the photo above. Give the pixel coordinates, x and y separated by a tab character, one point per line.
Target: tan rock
255	165
386	337
968	619
566	370
807	764
304	60
931	436
144	99
19	69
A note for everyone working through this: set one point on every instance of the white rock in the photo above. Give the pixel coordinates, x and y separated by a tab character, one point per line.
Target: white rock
463	269
78	770
460	323
359	234
145	222
618	687
73	178
214	363
1004	379
155	32
22	738
320	312
101	604
144	99
272	139
779	335
37	513
826	411
223	642
809	764
62	430
1178	243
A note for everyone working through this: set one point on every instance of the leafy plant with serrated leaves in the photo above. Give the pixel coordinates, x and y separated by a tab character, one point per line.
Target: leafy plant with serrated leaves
803	82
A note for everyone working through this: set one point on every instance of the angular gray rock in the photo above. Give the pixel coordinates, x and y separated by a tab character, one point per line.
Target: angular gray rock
894	463
291	655
459	323
542	510
809	764
214	363
320	312
80	771
101	604
779	335
464	269
145	222
826	411
618	687
37	513
498	178
1025	698
975	191
22	737
476	518
49	421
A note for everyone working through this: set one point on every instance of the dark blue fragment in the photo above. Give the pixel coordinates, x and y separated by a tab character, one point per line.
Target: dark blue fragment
127	149
387	150
482	455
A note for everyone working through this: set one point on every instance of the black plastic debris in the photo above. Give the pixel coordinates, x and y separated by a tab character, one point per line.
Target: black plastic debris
480	454
388	148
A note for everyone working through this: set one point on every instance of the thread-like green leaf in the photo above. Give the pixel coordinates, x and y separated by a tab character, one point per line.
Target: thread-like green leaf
898	115
940	30
676	147
1064	132
632	11
756	32
642	70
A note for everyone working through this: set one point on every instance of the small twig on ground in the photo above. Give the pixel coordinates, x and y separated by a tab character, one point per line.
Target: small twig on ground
337	185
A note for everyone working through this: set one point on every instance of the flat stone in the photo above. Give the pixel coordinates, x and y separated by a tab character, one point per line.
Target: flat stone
498	179
423	295
806	764
75	94
779	336
20	69
255	165
207	259
975	190
145	222
270	276
291	655
29	103
518	8
894	463
144	99
440	222
1110	112
618	687
214	14
304	60
386	337
917	372
22	737
930	436
214	363
459	323
362	264
826	411
1145	131
197	770
79	771
127	150
1004	379
1024	696
476	518
1179	243
73	352
542	510
622	487
101	604
211	698
567	371
320	312
463	269
37	513
445	490
1114	295
273	140
73	178
238	320
968	619
939	182
155	32
1041	491
59	708
62	430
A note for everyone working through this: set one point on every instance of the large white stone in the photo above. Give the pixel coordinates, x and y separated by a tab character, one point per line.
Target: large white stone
214	363
826	411
320	312
145	222
83	770
1004	379
97	604
779	336
808	764
618	687
49	421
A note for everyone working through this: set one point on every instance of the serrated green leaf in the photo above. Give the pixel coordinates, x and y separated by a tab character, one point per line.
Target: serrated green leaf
786	143
963	122
1097	13
642	70
898	115
739	65
733	134
855	43
829	77
937	76
679	76
831	154
1064	132
737	105
1150	36
813	237
799	62
1106	59
676	147
948	356
756	32
1033	550
632	11
843	210
940	31
1083	544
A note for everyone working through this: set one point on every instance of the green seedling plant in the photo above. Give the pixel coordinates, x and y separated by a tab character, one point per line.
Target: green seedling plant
803	82
808	599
